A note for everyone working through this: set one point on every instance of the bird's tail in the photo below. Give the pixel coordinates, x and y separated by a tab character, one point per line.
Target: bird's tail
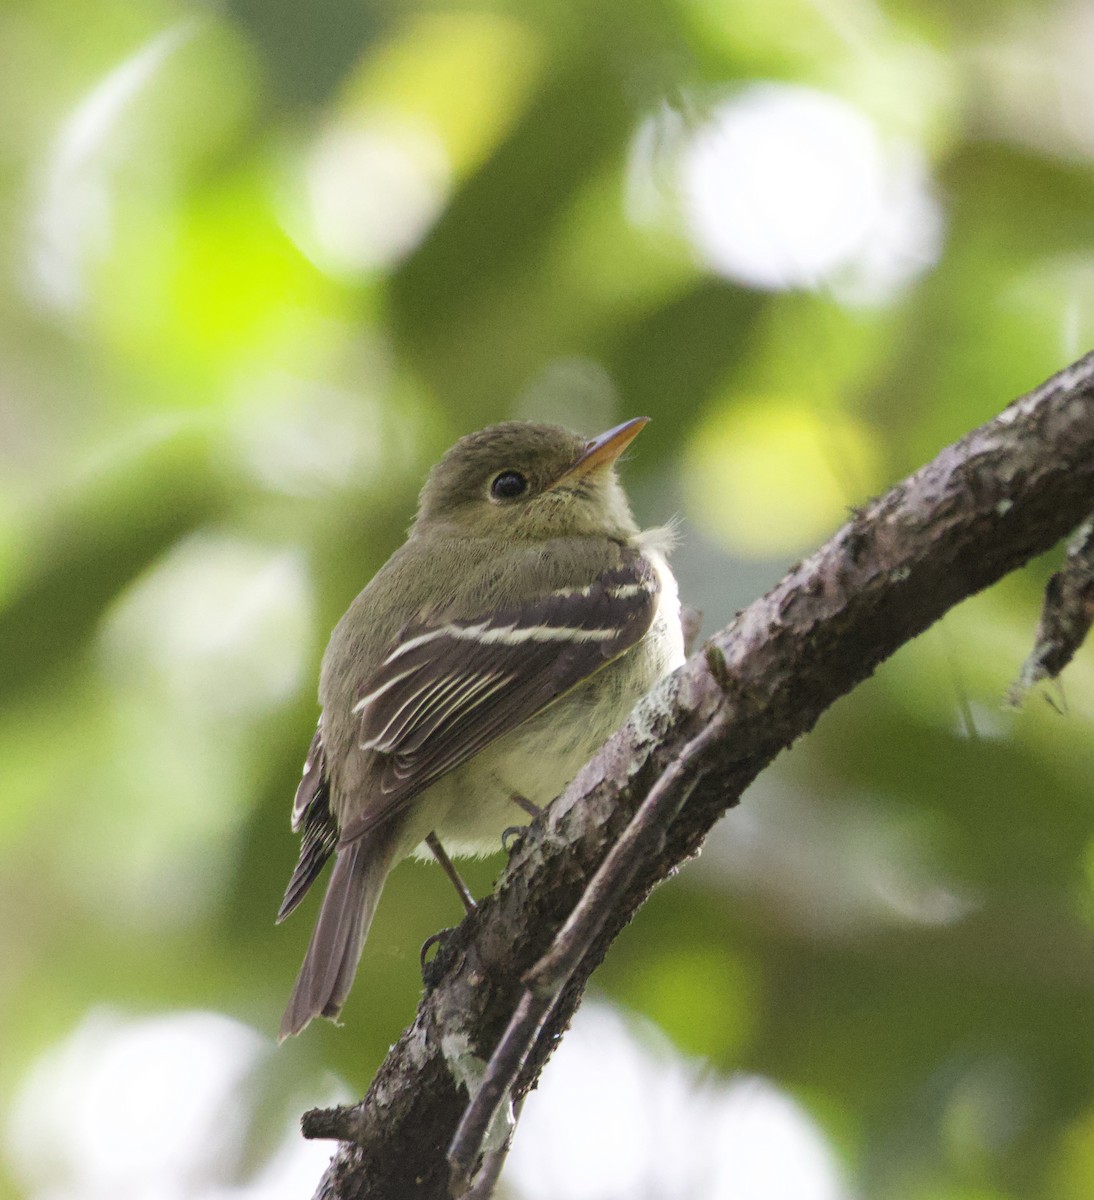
334	951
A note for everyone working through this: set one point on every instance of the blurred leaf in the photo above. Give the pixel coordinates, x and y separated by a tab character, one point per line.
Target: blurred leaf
90	549
308	48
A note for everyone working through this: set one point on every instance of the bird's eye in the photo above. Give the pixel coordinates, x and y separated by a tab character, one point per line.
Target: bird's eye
508	485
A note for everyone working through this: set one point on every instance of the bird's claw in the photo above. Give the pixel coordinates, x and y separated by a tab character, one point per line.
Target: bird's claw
511	837
434	939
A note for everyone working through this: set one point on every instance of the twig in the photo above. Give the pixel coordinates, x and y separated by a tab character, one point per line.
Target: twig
1066	615
449	868
336	1124
546	980
486	1180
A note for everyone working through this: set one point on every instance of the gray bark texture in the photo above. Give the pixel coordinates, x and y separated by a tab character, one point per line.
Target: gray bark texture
985	505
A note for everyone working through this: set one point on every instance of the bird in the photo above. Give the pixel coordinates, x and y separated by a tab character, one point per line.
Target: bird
507	638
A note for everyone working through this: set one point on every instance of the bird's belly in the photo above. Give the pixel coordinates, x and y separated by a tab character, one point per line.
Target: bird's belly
470	808
539	758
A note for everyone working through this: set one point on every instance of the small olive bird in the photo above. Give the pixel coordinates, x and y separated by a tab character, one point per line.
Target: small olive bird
495	650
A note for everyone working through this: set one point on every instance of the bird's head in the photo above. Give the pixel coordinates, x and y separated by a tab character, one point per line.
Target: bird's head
530	481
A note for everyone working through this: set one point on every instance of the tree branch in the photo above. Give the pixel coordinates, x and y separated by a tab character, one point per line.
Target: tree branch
545	982
984	506
1067	614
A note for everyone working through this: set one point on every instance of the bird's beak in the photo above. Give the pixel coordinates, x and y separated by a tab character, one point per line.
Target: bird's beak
606	448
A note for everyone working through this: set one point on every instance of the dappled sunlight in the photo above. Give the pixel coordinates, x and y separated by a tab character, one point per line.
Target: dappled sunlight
1034	67
771	475
576	392
75	215
364	189
123	153
787	187
131	1109
373	191
198	653
463	74
311	438
833	869
959	674
220	626
620	1114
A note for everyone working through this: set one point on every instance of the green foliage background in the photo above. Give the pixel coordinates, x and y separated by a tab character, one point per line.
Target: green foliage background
213	427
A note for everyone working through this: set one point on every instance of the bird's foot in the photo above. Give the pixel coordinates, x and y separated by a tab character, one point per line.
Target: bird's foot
533	810
435	939
446	865
510	838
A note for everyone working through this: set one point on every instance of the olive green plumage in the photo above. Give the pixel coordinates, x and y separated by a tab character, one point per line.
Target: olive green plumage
490	656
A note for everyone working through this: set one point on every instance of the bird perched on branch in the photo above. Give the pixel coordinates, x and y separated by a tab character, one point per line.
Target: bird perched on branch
480	668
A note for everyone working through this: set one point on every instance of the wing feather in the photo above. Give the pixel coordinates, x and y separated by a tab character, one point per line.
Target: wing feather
449	688
312	818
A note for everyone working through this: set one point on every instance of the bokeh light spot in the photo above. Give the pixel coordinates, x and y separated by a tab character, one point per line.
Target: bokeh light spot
786	187
127	1110
619	1114
768	476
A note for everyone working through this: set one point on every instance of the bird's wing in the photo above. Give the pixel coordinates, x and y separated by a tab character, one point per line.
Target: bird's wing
313	820
445	690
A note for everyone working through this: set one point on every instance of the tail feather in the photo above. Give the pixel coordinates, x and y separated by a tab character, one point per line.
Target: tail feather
334	951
